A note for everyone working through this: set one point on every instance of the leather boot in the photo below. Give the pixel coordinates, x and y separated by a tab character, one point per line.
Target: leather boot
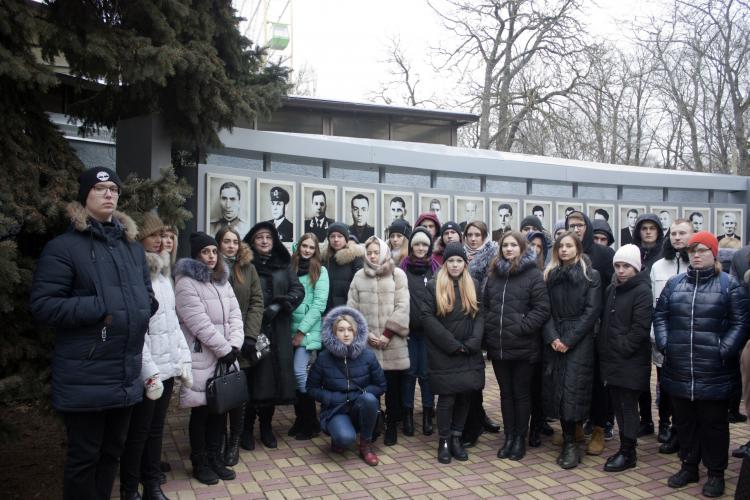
686	475
232	449
570	455
217	465
265	414
596	445
664	432
295	428
202	472
518	451
558	439
624	459
672	446
427	414
366	453
443	451
129	495
152	491
714	487
535	438
391	433
504	452
305	429
488	424
247	440
408	421
457	448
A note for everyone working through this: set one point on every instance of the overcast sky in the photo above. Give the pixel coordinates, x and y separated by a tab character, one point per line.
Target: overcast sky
346	41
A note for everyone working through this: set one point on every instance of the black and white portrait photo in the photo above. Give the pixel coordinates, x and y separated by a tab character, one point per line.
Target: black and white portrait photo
396	205
276	204
469	208
699	217
602	211
564	208
227	203
729	227
540	209
359	211
438	204
504	216
318	209
628	217
666	215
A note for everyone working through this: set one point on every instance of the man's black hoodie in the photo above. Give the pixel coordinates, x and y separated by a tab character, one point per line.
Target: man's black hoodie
649	255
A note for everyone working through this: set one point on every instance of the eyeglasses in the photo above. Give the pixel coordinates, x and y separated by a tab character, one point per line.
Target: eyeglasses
576	226
102	190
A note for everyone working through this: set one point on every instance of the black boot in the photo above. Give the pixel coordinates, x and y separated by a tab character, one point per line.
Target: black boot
570	456
457	448
217	465
444	451
201	469
504	452
295	428
305	428
646	428
672	445
488	424
152	491
535	438
265	414
427	414
130	495
391	433
247	440
232	448
408	421
664	432
714	487
518	451
624	459
687	474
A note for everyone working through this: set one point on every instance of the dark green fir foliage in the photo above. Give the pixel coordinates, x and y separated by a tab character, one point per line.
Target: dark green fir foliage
167	195
184	59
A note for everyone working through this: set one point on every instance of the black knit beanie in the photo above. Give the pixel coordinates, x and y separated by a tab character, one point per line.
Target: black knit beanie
338	227
400	226
89	178
454	249
199	241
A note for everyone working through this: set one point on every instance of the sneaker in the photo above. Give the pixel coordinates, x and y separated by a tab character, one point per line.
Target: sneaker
608	431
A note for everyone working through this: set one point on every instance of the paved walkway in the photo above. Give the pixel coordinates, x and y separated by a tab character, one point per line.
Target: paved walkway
307	469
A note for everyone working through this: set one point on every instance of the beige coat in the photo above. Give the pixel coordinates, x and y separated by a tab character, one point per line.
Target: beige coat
381	294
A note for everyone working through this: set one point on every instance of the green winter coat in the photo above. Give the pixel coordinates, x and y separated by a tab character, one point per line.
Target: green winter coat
249	294
306	318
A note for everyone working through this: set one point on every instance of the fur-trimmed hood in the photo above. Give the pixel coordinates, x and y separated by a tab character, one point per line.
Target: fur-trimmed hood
279	254
245	255
158	263
344	256
528	260
333	344
199	271
81	222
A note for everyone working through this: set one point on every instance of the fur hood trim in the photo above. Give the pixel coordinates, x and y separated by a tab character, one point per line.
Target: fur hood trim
344	256
245	255
333	344
197	270
80	220
528	260
158	263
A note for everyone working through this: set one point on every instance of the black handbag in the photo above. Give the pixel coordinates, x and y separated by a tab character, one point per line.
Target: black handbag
226	390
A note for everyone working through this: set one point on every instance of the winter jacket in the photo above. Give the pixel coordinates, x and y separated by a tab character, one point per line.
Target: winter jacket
700	326
273	378
624	340
165	350
599	255
211	321
342	266
672	264
92	284
480	261
516	305
249	294
382	295
450	371
575	307
740	264
306	318
341	373
417	277
649	255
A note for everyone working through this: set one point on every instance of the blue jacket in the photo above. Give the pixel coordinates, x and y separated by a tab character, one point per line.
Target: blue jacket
341	373
92	283
700	325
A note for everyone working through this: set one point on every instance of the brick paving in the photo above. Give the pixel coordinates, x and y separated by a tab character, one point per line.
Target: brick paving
308	469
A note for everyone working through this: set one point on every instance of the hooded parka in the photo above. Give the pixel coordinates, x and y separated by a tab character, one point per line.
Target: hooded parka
648	255
249	293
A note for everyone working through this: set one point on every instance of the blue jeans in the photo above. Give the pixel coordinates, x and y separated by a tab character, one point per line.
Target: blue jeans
417	371
363	414
301	358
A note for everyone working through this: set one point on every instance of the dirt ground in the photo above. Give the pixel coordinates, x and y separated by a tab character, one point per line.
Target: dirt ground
33	452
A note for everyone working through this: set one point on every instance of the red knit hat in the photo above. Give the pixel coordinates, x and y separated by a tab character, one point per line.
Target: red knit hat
705	238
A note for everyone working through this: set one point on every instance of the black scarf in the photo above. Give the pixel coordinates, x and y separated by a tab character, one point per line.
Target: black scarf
303	266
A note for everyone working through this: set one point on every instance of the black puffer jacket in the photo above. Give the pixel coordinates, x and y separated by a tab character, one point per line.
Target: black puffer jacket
700	325
575	304
516	307
92	283
451	372
273	377
624	340
342	266
649	255
599	255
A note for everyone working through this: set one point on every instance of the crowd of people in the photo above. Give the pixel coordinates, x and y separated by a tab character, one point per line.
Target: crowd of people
570	326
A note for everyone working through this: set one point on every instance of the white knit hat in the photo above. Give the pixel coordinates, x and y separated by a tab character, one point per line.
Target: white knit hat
629	254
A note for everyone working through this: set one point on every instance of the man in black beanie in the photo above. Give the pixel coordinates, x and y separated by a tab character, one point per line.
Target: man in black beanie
93	285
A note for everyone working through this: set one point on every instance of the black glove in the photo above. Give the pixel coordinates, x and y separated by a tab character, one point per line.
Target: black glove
271	311
248	349
230	358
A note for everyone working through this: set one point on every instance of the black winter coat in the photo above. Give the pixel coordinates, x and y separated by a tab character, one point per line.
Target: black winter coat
575	307
342	266
624	340
273	377
451	372
92	283
516	306
417	277
700	326
599	255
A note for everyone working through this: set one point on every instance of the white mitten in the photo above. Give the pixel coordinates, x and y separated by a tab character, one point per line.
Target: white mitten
154	388
187	375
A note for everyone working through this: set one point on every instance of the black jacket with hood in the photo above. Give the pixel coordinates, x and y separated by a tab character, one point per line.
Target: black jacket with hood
599	255
649	255
602	226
